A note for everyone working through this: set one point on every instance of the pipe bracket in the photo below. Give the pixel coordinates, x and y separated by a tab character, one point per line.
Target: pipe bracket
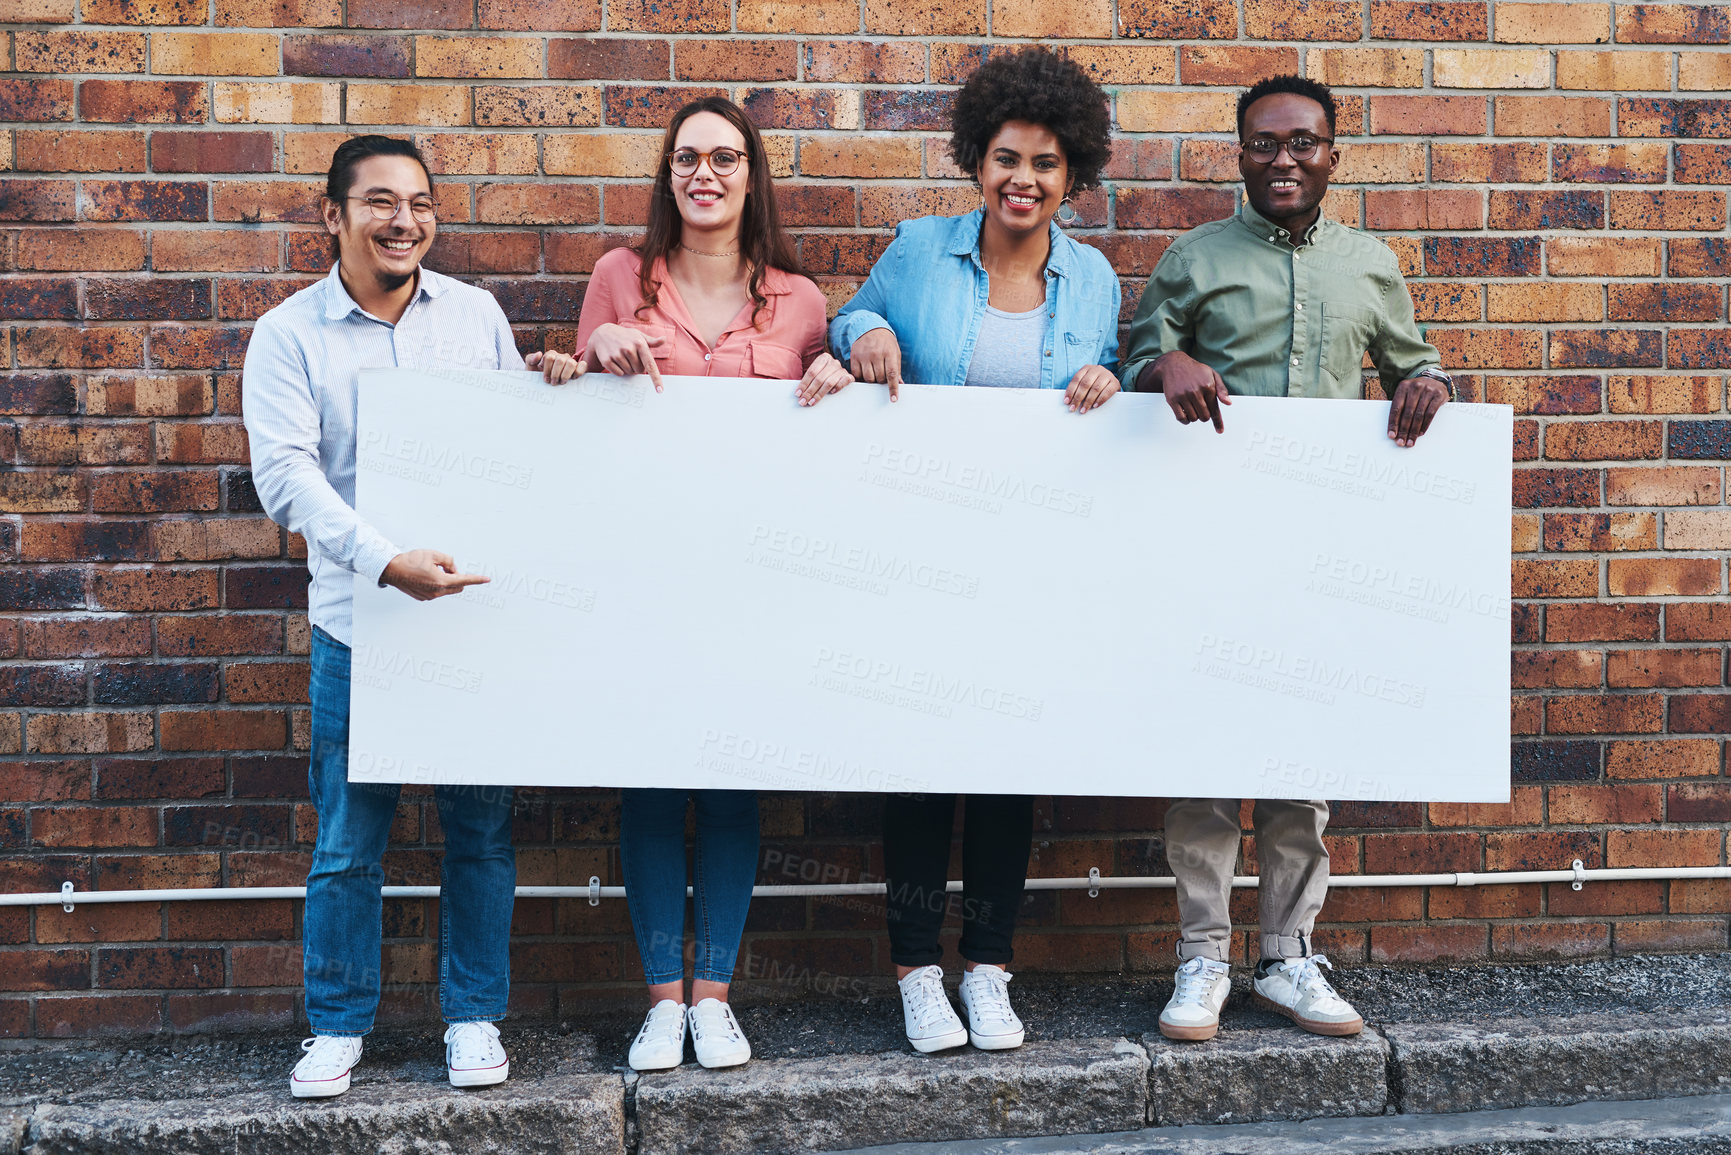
1093	882
1580	874
594	890
66	897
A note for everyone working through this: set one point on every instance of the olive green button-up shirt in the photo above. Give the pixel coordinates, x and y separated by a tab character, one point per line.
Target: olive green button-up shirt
1275	319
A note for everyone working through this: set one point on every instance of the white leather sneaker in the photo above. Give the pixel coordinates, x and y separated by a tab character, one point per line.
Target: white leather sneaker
931	1021
715	1035
474	1057
660	1043
324	1070
1296	989
1193	1012
992	1023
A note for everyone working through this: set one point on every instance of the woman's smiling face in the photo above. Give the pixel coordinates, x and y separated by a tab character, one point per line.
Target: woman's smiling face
1024	176
709	201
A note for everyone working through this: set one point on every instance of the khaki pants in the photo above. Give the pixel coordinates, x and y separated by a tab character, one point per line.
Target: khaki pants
1202	842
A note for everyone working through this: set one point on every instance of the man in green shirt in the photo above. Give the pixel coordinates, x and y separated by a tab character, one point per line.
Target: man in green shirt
1276	301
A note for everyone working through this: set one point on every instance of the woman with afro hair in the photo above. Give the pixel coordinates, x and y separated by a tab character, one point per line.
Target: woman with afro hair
998	297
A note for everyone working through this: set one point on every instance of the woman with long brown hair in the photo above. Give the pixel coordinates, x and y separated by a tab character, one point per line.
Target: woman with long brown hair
714	290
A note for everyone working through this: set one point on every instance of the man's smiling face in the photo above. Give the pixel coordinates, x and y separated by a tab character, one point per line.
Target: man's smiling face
386	252
1287	190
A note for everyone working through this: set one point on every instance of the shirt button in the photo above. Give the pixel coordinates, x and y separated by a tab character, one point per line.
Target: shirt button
707	356
1295	362
1299	307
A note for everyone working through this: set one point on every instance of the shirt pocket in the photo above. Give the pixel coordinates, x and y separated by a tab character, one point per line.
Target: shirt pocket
663	351
1346	333
776	361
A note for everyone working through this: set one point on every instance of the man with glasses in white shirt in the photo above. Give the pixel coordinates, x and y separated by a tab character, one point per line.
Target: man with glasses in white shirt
378	308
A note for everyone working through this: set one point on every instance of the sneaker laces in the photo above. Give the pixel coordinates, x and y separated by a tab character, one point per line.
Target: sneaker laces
718	1019
1306	976
931	1006
470	1043
324	1053
1193	980
663	1025
990	990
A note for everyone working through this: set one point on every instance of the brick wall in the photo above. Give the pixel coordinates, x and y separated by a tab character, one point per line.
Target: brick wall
1551	175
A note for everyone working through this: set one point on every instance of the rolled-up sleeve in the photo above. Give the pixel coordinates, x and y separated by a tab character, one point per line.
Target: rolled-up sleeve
282	424
1163	319
1399	350
868	308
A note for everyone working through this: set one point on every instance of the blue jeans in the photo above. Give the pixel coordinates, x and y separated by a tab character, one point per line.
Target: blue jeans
341	930
652	850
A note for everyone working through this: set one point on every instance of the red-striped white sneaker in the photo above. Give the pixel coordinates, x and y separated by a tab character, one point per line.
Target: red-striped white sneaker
473	1055
324	1070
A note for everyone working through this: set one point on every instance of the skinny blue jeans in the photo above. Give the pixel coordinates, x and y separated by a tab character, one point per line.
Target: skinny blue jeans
652	851
342	928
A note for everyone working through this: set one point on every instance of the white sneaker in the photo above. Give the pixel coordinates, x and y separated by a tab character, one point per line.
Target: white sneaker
474	1056
1193	1011
1296	989
931	1022
660	1043
715	1035
324	1070
992	1024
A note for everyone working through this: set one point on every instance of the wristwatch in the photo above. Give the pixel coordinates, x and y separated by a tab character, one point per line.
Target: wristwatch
1433	371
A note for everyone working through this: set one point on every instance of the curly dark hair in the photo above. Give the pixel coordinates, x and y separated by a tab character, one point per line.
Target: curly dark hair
1297	85
1042	88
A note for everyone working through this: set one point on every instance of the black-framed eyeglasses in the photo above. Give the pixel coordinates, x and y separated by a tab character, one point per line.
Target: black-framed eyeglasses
684	161
385	206
1300	146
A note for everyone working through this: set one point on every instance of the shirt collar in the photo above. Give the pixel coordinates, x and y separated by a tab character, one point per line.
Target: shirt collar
965	242
1268	230
338	303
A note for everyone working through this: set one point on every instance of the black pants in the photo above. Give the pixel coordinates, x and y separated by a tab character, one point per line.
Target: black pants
997	836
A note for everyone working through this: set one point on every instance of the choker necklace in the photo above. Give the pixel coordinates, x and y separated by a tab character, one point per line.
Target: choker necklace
705	253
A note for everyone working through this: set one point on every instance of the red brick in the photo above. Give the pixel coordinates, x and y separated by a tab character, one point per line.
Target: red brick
1504	162
78	151
1606	349
577	58
1602	440
216	250
144	101
1428	20
95	732
1660	116
1560	669
532	16
81	1016
211	152
100	922
1529	210
1447	902
1177	20
1671	485
80	250
848	61
1700	713
1427	115
1675	209
210	635
1602	257
1642	668
1552	941
1434	943
1662	848
37	100
155	491
1591	622
530	204
1423	853
1542	850
1667	301
1663	577
1674	758
1691	935
1698	622
1548	395
94	826
1596	805
1604	714
1609	163
1424	209
410	14
1489	348
1695	163
1673	24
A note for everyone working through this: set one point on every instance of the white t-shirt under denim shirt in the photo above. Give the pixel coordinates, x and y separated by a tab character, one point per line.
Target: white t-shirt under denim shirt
1007	355
298	396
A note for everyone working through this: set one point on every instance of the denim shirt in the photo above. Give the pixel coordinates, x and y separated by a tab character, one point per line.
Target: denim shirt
930	288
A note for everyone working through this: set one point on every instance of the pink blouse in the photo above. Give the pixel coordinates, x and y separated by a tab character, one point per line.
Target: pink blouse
791	331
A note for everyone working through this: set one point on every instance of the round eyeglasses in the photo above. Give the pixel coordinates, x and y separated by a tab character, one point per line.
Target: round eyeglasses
684	161
1263	149
385	206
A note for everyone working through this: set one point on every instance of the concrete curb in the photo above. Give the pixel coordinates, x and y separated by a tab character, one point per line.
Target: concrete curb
1070	1087
1077	1087
1445	1067
534	1116
1255	1076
